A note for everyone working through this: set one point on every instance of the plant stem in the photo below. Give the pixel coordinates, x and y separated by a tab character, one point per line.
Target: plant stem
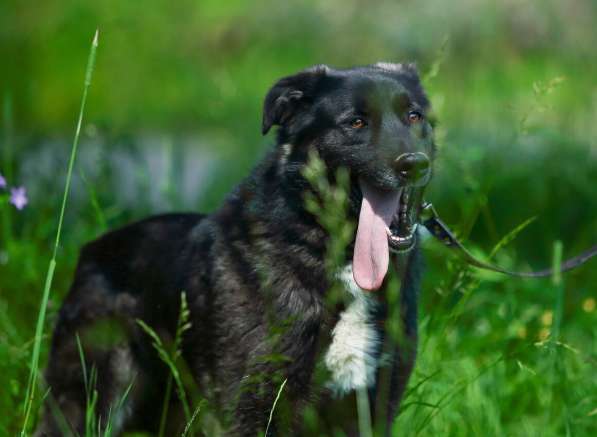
50	275
364	413
271	413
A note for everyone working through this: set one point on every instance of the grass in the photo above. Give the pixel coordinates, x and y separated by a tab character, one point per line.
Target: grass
170	356
96	425
271	413
34	367
482	393
365	428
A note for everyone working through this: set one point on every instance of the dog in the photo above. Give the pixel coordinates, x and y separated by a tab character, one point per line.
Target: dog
257	263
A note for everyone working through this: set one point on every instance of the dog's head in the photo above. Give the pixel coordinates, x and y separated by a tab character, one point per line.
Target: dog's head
372	120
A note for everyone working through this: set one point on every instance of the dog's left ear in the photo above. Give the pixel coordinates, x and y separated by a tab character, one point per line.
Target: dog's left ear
288	94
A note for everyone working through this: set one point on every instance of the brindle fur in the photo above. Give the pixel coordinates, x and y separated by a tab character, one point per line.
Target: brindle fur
255	263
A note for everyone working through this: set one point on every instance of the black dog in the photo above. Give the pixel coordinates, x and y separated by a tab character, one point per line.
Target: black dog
258	263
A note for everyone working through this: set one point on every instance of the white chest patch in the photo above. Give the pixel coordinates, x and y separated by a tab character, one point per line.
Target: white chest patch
351	357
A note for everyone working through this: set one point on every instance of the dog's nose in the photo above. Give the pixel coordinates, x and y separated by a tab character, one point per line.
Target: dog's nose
412	167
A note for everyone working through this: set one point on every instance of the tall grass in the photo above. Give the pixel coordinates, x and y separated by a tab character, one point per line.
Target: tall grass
34	366
170	357
7	167
97	426
557	313
271	413
329	203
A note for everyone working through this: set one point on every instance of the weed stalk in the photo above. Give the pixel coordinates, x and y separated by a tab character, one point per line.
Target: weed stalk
50	275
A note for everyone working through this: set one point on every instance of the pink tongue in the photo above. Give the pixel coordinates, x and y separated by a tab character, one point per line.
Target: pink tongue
370	258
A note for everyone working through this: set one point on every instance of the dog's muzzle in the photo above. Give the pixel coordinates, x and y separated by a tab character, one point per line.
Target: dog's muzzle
414	170
402	233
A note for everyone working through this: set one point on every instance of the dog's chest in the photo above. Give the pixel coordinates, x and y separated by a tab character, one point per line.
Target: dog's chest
352	356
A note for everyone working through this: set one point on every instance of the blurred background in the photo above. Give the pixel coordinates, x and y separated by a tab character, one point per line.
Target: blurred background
173	123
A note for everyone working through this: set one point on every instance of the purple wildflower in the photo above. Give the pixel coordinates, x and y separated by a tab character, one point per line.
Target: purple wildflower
2	181
18	197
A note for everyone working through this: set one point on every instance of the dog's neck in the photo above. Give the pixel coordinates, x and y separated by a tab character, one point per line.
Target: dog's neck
266	213
275	193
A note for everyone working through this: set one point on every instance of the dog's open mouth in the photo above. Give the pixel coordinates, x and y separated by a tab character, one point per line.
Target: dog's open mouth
387	221
402	230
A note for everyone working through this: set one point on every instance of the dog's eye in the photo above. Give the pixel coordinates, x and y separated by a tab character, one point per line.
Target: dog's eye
358	123
414	117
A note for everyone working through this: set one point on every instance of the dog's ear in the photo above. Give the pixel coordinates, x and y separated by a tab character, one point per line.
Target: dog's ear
409	69
286	96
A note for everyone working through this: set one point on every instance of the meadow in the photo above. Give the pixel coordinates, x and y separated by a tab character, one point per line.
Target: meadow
172	122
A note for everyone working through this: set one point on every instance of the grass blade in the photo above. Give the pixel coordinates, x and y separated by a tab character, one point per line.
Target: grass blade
187	428
7	157
364	413
170	357
50	275
271	413
510	236
554	337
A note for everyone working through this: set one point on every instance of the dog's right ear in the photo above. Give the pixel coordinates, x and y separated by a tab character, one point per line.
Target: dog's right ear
288	94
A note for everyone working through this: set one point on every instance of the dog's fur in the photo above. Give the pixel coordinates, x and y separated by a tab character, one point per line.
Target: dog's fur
251	267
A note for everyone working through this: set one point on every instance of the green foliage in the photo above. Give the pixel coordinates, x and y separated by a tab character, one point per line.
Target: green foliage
95	426
329	203
171	356
34	368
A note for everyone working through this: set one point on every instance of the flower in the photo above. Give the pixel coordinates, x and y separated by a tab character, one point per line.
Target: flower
18	197
2	181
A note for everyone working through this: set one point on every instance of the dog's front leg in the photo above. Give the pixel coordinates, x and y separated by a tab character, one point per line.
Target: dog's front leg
252	410
257	400
285	366
401	348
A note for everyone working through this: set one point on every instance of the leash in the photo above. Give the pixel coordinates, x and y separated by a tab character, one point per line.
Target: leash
437	228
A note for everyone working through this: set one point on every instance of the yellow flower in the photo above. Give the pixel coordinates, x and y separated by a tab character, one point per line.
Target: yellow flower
588	305
547	318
